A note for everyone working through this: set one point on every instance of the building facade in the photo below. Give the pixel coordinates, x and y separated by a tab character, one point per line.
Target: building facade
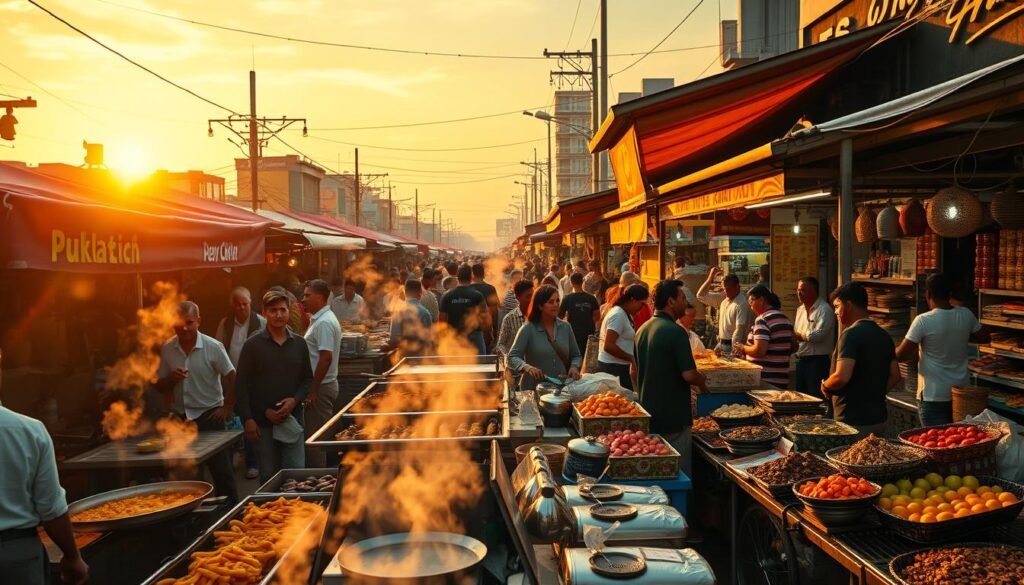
763	29
572	158
195	183
285	183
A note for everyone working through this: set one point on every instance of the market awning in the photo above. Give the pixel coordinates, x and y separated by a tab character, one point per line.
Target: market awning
630	229
677	131
319	238
53	223
381	240
581	212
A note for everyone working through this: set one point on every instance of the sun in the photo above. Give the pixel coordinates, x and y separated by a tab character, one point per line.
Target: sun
130	162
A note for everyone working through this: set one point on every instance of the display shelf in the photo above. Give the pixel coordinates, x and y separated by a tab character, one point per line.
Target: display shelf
892	281
1003	381
888	310
1001	292
1000	352
1002	406
1003	324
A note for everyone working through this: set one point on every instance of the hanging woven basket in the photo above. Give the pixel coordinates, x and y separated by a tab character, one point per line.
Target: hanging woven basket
888	223
954	212
833	224
1007	209
865	226
913	219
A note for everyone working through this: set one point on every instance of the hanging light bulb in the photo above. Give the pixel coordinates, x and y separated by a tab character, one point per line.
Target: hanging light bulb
209	130
796	221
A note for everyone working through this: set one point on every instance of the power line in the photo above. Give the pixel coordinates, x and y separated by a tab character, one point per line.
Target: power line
572	29
459	182
48	92
466	148
666	37
128	59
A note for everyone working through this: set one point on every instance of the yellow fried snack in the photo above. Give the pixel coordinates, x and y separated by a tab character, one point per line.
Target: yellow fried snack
249	547
135	506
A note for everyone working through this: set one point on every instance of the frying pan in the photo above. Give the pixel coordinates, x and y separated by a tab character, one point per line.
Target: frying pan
411	558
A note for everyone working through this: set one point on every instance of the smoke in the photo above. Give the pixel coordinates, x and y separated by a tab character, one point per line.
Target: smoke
363	270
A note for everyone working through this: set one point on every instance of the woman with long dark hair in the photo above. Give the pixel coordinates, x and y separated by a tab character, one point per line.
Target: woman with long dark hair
770	341
545	345
617	333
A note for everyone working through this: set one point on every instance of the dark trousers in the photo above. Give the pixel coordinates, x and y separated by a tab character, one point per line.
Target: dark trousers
810	371
22	559
933	412
220	464
620	370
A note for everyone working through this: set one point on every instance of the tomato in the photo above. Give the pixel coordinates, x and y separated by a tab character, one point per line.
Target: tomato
930	444
970	441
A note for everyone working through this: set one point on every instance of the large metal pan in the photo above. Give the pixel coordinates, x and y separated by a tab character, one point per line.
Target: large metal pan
410	557
201	489
439	367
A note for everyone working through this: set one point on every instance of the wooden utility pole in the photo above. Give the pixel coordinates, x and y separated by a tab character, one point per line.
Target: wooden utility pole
416	217
390	212
433	225
254	145
357	187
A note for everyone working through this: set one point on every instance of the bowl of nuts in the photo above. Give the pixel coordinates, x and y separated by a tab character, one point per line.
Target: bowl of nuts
878	459
748	440
974	563
737	415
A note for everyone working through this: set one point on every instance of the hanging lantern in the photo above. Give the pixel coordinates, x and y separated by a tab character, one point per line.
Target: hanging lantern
738	214
833	224
1007	209
954	212
913	219
888	223
764	212
865	226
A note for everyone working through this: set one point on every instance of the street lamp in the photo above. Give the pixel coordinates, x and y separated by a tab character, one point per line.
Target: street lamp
526	201
540	115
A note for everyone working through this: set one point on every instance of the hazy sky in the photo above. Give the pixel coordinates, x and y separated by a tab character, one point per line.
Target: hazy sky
147	124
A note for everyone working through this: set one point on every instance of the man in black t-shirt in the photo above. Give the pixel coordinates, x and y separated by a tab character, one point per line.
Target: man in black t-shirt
465	310
491	296
866	366
582	311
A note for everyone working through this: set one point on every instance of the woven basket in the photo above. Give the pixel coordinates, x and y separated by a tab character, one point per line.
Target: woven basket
1007	210
954	213
913	219
968	401
898	565
888	223
833	224
555	455
865	227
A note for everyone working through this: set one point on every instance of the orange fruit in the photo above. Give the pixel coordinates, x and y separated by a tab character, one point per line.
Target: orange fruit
965	491
914	517
947	507
914	507
931	510
1007	497
951	495
973	499
961	505
934	500
943	516
983	489
978	508
962	513
1007	504
900	500
927	518
993	504
885	503
900	511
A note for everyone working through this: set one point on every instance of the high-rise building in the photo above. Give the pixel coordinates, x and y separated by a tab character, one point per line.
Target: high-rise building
285	183
572	133
763	29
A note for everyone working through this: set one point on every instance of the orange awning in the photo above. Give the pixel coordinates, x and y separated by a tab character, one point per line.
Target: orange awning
581	212
674	132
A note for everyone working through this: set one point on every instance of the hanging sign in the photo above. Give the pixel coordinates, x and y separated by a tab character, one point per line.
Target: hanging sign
737	196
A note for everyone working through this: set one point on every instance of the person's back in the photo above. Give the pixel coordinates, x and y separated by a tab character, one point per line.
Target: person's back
578	309
943	334
862	400
459	304
663	354
24	451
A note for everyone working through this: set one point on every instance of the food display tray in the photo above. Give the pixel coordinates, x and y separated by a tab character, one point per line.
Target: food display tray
178	566
737	375
784	491
647	466
710	440
949	530
273	485
595	426
200	488
762	398
325	436
477	391
818	442
888	472
973	459
899	563
440	367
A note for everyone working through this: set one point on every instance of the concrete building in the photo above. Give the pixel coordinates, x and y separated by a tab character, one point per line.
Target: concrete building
572	158
195	183
285	183
763	29
338	198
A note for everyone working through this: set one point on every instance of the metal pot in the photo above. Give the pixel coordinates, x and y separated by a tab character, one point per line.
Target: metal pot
427	558
549	519
555	409
544	388
586	456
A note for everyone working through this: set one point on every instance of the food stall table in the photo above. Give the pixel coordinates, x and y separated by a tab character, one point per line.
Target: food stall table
123	455
864	551
355	371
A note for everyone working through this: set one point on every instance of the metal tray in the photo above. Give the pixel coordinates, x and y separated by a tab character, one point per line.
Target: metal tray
434	367
273	485
325	436
200	488
763	399
483	385
178	566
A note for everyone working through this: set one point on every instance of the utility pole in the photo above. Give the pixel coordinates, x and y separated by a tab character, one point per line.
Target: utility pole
439	227
390	227
416	215
256	136
595	121
604	83
358	194
433	225
573	70
551	178
538	182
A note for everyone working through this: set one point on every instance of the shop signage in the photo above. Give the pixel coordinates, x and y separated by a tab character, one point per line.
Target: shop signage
224	252
87	248
737	196
624	158
969	20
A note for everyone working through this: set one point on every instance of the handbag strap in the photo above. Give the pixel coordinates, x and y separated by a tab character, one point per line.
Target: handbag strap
554	346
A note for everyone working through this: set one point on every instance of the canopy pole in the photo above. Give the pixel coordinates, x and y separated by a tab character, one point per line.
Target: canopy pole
846	211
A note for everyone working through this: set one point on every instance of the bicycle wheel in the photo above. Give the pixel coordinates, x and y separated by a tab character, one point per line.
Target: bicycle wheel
766	555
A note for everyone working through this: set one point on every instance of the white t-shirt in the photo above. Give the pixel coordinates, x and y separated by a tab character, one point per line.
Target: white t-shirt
942	335
324	333
206	363
617	320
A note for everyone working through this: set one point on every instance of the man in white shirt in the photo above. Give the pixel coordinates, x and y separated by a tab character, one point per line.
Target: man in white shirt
232	333
324	341
939	340
428	298
815	332
197	376
734	315
686	322
350	306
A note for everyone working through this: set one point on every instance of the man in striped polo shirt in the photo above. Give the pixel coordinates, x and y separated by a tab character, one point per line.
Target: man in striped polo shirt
770	341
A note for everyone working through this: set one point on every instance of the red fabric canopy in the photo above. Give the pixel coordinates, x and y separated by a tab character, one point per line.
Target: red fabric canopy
580	212
53	223
353	230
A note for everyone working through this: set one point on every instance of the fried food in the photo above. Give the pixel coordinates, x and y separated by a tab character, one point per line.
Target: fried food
872	450
135	506
737	411
250	547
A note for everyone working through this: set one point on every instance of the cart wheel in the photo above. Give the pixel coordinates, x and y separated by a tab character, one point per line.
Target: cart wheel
765	551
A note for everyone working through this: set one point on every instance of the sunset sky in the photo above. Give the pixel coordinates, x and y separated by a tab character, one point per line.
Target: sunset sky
85	92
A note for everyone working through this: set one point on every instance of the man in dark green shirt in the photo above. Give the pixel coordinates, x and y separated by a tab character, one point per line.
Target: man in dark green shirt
666	370
866	366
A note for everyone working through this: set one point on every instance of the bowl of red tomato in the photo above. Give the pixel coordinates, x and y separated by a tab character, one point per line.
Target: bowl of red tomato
951	442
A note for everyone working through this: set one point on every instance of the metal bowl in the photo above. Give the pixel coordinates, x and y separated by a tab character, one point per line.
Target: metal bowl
410	557
837	512
726	422
201	489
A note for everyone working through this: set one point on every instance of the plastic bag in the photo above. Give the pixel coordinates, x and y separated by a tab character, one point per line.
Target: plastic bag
590	384
594	536
1010	450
